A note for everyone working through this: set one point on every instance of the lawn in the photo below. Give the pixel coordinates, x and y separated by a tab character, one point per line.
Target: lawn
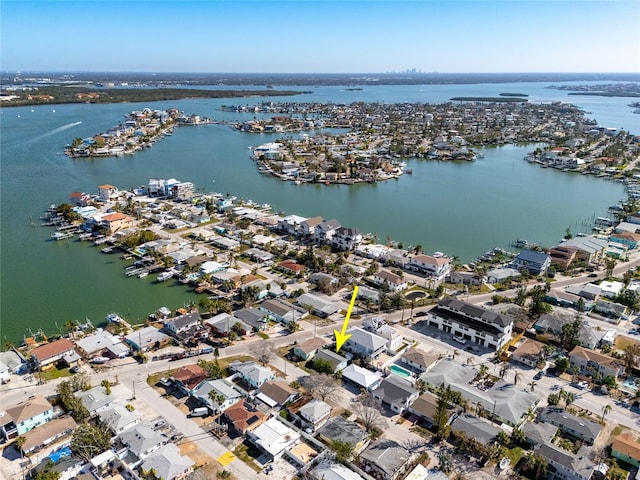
243	452
54	373
623	342
515	454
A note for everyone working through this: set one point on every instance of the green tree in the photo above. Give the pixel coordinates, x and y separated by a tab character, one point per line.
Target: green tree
343	450
503	438
562	365
88	441
605	409
441	416
321	365
107	386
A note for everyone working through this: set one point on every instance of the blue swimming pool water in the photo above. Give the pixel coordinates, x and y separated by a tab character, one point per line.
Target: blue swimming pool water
58	454
401	372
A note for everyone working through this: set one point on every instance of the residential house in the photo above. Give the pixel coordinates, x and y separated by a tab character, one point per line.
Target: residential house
273	437
308	227
227	394
419	359
276	393
147	338
429	265
291	224
343	430
564	465
463	278
346	238
327	470
324	232
538	433
142	440
500	275
168	463
49	353
365	344
338	362
244	417
361	377
562	257
188	377
184	326
253	317
626	447
590	362
107	192
397	258
118	419
311	414
307	349
101	344
115	222
26	415
529	352
578	427
48	433
318	306
251	373
282	312
393	337
386	459
425	407
395	393
79	198
95	400
591	249
475	427
471	322
536	263
611	309
390	281
10	363
611	289
225	243
223	323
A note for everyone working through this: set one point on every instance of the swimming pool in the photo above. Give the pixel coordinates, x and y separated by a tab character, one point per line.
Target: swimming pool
401	372
58	454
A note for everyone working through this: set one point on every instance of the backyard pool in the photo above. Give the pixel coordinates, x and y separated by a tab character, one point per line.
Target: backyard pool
401	372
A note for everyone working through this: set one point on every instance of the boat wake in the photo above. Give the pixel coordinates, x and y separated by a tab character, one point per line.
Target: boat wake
54	131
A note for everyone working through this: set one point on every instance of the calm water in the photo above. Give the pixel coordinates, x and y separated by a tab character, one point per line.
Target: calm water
461	209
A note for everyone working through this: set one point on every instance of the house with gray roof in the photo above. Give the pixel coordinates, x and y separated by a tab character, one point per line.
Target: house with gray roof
168	463
590	248
141	440
223	323
307	349
448	372
253	317
147	338
338	362
387	459
228	393
276	393
425	407
10	363
118	419
565	465
282	312
253	374
475	427
101	344
343	430
395	393
577	427
365	344
183	324
471	322
319	306
327	470
311	415
96	399
539	433
419	359
537	263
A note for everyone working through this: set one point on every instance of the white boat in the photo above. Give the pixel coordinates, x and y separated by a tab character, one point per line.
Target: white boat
100	360
166	275
114	318
504	463
61	235
143	274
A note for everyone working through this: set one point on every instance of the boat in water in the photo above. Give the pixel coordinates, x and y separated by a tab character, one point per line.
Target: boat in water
166	275
114	318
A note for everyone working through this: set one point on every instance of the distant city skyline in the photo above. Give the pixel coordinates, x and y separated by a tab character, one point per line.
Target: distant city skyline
319	36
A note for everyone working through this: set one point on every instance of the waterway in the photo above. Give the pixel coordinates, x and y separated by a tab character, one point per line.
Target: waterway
462	209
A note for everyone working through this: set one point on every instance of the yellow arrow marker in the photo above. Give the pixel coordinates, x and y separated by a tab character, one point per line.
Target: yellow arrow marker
342	336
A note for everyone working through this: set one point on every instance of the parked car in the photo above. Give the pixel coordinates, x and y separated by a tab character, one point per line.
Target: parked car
538	375
459	339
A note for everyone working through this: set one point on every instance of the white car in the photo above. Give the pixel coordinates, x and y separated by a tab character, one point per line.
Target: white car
459	339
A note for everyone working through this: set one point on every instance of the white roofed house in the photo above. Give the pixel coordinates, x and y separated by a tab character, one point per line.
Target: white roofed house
168	463
365	344
362	377
253	374
291	224
319	306
273	437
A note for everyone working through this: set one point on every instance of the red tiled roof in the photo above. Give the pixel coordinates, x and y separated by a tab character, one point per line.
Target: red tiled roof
52	349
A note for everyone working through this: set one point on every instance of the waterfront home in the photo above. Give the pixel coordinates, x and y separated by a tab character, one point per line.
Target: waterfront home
118	418
318	306
500	275
48	433
361	377
376	251
386	459
282	312
390	281
291	224
397	258
626	447
184	326
429	265
26	415
463	278
244	417
49	353
273	438
253	317
107	192
346	239
168	463
307	349
324	232
10	363
562	257
591	249
365	344
536	263
578	427
529	352
80	199
115	222
627	239
251	373
147	338
590	362
310	414
476	324
101	344
565	465
223	323
308	227
337	362
276	393
395	393
343	430
226	392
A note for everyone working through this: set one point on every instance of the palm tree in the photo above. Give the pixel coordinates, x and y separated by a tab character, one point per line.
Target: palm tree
217	399
107	386
504	368
517	376
482	371
606	409
533	386
569	398
20	441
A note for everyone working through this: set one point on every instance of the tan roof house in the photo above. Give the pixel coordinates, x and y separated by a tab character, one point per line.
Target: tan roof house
117	221
588	361
626	447
528	352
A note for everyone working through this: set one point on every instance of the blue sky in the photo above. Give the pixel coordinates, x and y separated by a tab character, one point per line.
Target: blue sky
320	36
